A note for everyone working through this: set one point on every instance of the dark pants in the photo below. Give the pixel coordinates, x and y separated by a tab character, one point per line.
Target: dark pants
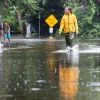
68	40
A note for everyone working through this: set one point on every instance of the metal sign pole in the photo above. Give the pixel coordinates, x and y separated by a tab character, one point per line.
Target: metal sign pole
51	21
50	31
39	24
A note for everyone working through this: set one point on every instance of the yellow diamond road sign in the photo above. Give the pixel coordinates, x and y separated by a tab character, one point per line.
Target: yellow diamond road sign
51	21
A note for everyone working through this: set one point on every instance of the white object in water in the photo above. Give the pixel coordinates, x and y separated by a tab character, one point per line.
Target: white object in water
68	48
1	46
75	48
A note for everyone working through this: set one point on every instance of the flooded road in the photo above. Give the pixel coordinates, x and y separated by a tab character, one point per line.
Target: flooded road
31	70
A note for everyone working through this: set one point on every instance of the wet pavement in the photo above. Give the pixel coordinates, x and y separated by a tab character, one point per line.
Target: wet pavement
40	69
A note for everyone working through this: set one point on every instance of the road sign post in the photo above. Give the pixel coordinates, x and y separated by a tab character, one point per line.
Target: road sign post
51	21
50	31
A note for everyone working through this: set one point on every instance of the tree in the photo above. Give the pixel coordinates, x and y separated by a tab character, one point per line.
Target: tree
85	10
97	2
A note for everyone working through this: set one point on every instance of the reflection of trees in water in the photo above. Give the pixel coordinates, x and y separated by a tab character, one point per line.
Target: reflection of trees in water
1	67
51	66
68	78
51	61
15	74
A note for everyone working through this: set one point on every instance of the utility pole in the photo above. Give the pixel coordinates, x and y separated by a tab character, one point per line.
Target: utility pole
39	23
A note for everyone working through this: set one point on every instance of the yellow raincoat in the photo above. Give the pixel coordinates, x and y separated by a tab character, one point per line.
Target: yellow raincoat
69	23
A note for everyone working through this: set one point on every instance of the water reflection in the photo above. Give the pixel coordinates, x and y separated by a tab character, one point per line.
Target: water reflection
68	77
29	71
1	67
14	75
51	62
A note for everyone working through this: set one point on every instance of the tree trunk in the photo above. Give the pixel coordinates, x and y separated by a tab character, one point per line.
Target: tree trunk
20	23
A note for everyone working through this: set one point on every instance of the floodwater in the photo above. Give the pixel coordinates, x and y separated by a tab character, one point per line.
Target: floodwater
31	70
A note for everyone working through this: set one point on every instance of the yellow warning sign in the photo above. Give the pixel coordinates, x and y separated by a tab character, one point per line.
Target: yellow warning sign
51	21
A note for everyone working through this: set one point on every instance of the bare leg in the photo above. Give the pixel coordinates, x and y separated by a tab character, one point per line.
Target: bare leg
4	41
9	39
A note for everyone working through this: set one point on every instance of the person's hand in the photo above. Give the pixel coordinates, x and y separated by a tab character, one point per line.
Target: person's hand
59	33
76	33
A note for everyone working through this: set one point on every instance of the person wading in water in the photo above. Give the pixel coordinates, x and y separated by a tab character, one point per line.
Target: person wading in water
6	30
70	26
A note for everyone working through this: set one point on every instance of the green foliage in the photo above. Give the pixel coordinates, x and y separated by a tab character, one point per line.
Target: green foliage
88	26
85	10
13	22
10	16
85	15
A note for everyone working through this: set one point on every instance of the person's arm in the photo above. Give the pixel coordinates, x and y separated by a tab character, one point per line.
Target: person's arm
2	26
1	29
61	25
8	29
